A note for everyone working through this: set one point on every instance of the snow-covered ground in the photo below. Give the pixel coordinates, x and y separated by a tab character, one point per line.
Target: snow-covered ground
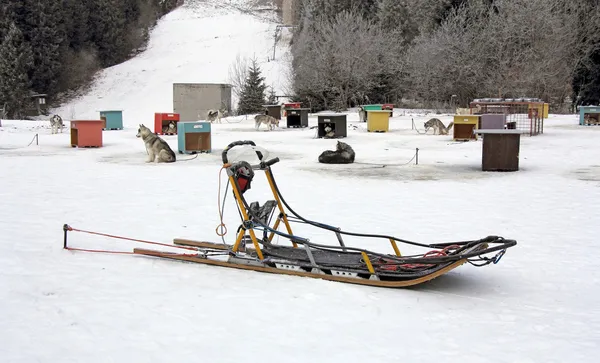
539	304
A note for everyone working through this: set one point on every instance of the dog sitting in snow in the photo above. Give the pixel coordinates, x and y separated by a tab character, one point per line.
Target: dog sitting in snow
56	123
343	154
158	149
438	126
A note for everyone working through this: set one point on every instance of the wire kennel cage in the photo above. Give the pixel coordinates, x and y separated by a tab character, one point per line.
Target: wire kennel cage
524	114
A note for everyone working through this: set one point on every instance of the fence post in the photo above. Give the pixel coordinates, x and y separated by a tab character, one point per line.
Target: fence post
417	158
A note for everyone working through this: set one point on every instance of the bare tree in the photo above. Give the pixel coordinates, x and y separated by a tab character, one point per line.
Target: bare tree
336	59
238	72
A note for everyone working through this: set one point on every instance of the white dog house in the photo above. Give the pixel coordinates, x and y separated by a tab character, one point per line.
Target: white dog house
193	100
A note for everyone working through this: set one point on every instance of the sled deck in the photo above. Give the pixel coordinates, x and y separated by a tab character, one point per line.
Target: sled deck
253	248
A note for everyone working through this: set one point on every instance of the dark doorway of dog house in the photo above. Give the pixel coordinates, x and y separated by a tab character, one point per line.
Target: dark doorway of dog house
297	117
197	142
331	126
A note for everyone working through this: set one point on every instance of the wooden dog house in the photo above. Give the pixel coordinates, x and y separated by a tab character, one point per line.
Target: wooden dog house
193	137
162	120
464	127
337	122
589	115
500	150
112	119
297	117
378	121
86	133
273	110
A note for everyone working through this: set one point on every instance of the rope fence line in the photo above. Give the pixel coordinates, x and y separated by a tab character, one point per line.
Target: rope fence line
382	165
35	138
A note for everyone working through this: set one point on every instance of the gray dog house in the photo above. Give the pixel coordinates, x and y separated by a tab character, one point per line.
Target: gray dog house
336	121
193	100
297	117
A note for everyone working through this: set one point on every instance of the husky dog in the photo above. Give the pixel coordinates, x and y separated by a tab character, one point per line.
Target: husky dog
268	120
56	122
343	154
438	126
362	114
158	149
215	115
589	120
329	132
171	128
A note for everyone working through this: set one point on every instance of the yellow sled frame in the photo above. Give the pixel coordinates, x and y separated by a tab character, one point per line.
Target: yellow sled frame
258	264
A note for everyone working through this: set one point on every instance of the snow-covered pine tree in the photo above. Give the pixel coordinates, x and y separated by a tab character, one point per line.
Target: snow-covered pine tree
252	97
16	61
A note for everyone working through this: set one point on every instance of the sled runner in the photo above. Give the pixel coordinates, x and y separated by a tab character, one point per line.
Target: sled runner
254	249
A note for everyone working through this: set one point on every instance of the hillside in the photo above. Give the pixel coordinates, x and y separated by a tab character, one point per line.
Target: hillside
196	43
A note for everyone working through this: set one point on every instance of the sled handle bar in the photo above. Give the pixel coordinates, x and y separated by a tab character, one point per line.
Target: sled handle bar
264	164
239	143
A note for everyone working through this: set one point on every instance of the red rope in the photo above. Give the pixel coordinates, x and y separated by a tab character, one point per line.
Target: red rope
131	239
160	253
131	253
434	253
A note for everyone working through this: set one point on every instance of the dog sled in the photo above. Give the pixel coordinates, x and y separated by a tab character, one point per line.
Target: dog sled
255	250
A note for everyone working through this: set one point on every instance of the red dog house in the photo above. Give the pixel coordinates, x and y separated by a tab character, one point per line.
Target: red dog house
86	133
162	120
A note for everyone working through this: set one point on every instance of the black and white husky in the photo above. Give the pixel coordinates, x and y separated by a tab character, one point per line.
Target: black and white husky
438	126
343	154
215	115
56	123
158	149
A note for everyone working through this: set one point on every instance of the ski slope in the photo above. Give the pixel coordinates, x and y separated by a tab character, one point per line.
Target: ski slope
196	43
540	303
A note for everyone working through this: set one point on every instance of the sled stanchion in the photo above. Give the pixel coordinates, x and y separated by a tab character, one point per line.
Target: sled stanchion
269	176
395	247
417	157
340	240
368	262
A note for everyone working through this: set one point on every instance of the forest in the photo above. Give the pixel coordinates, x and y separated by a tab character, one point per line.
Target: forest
413	53
54	47
437	52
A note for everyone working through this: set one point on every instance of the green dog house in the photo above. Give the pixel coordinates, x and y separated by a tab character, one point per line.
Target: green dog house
112	119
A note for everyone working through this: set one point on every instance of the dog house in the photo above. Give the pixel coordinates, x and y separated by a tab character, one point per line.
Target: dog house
162	120
297	117
86	133
273	110
464	127
378	121
193	137
589	115
492	121
500	150
379	107
390	107
287	106
113	119
336	122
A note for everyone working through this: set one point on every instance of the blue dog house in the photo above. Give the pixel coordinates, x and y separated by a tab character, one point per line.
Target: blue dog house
589	115
193	137
113	119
